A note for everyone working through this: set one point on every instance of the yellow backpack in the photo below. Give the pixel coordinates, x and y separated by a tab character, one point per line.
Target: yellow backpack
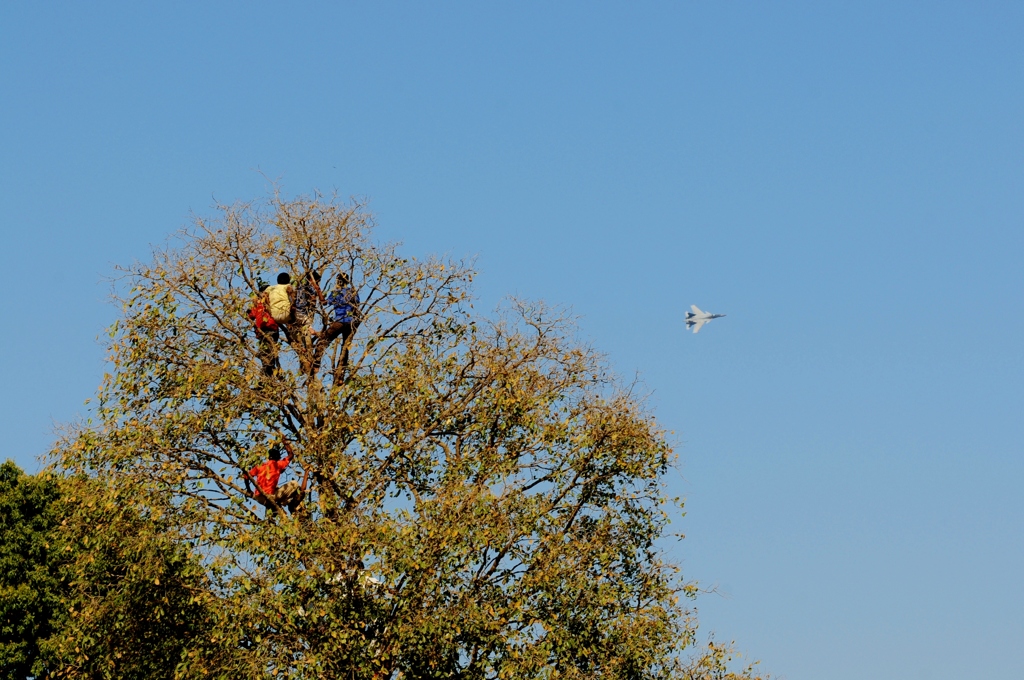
280	304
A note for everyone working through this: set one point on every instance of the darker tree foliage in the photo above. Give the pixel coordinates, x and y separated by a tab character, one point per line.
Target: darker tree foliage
29	587
89	585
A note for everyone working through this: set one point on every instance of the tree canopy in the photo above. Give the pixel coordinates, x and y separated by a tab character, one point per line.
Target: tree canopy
483	497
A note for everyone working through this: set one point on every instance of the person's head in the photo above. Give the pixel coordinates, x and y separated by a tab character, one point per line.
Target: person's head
315	276
284	278
274	453
343	280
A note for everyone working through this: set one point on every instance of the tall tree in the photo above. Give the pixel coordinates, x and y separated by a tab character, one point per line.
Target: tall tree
484	497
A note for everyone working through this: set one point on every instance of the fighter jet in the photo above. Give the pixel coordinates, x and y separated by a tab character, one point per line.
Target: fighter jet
697	318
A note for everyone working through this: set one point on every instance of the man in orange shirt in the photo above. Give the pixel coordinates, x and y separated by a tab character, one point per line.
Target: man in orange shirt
266	476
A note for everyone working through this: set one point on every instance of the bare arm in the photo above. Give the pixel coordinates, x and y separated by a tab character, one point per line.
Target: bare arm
291	455
319	293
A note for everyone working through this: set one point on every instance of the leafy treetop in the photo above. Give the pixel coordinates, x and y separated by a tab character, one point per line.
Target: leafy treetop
484	497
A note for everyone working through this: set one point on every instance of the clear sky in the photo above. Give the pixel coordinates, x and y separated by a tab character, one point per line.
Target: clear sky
842	179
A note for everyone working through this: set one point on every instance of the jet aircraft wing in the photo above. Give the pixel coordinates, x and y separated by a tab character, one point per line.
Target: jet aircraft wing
696	309
698	324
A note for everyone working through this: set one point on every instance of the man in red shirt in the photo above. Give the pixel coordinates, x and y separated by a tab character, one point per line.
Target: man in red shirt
266	476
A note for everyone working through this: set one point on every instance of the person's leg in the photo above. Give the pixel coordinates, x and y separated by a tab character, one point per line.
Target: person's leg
289	495
323	340
347	329
268	351
267	505
300	336
304	325
295	501
328	334
295	497
275	352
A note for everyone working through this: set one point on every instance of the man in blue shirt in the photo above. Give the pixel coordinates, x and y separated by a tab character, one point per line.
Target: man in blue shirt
344	302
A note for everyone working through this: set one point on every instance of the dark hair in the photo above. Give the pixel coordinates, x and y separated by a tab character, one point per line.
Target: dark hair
343	279
274	453
284	278
315	275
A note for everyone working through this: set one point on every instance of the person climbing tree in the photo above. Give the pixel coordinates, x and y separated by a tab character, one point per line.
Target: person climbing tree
281	299
307	293
344	302
266	477
266	333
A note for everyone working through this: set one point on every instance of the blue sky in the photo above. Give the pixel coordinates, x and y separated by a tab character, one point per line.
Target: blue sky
842	179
